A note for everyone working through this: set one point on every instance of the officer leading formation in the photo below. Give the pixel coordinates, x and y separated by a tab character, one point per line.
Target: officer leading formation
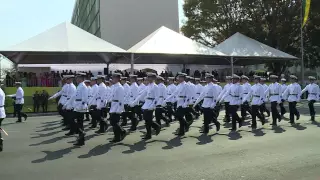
112	102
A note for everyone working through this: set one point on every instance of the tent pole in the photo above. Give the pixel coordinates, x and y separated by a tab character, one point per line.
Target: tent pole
132	63
232	68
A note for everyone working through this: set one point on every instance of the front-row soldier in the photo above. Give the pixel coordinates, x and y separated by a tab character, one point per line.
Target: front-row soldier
292	94
313	95
209	96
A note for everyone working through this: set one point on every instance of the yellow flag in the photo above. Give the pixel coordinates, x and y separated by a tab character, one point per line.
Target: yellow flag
306	10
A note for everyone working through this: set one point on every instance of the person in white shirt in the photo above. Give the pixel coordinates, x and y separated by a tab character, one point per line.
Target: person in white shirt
283	88
117	99
263	108
273	93
183	96
19	101
79	103
227	98
313	95
92	101
217	108
133	108
141	87
150	95
245	106
236	93
199	90
209	96
125	113
160	103
100	97
170	102
87	83
190	109
257	95
293	94
2	115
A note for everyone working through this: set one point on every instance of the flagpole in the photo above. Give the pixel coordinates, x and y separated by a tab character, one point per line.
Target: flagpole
302	48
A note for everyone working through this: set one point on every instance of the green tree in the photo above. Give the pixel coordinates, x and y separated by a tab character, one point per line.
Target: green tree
273	22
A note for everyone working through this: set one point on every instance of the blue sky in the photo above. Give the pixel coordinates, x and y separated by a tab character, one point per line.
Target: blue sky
22	19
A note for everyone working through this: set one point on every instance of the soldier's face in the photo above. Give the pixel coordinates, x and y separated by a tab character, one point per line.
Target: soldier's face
92	83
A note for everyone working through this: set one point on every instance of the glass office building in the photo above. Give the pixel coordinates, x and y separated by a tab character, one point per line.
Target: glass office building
125	22
86	15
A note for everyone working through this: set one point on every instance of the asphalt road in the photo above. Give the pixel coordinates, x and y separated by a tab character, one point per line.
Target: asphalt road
38	150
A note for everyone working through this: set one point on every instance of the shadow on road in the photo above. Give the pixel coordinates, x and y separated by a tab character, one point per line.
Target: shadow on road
299	127
53	155
97	151
278	129
316	123
203	139
258	132
46	135
49	141
49	129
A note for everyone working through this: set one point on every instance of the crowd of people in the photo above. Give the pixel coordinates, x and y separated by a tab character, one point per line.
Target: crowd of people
182	98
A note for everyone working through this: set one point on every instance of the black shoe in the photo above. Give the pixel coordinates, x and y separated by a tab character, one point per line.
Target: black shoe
240	123
167	124
1	144
114	140
147	137
69	134
292	123
158	129
93	126
123	124
312	118
180	134
233	129
100	131
253	127
80	142
25	118
263	122
123	135
218	127
273	124
204	132
133	128
280	118
298	117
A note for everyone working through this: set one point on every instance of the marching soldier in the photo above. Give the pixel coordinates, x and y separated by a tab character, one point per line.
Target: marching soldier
68	110
126	87
19	96
190	110
283	88
292	94
141	88
100	96
263	108
63	98
88	85
257	94
217	108
170	102
150	95
209	96
199	90
133	108
236	93
245	106
183	96
117	100
313	95
160	103
274	94
79	103
2	115
227	98
92	101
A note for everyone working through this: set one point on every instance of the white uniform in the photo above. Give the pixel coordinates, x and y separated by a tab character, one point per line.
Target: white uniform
292	93
19	96
256	94
62	93
209	95
149	95
246	88
265	87
182	94
199	90
117	98
126	93
192	91
170	90
274	92
100	96
283	88
93	91
227	97
79	100
2	103
313	90
161	95
236	93
134	93
70	92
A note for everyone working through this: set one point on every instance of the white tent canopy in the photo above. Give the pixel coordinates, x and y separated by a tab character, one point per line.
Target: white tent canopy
167	41
239	45
65	41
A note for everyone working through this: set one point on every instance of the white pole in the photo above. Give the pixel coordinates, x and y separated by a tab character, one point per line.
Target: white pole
132	63
232	68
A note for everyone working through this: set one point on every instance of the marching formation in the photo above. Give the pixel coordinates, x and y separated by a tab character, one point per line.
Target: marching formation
182	98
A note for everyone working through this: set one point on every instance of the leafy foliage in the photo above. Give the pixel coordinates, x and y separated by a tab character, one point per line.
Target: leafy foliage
276	23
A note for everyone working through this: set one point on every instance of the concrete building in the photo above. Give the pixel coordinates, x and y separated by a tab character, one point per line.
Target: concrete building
125	22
